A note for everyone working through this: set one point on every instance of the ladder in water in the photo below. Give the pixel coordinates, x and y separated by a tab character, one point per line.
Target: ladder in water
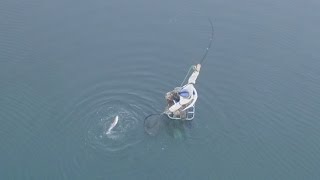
190	113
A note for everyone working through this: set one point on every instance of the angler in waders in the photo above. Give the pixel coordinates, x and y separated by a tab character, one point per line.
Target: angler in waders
181	100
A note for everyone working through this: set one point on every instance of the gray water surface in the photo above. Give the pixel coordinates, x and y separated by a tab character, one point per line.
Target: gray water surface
68	67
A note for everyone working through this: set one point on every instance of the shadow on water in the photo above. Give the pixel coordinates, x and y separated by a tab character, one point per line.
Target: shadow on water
177	128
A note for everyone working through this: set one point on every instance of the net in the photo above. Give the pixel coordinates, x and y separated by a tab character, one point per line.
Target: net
153	124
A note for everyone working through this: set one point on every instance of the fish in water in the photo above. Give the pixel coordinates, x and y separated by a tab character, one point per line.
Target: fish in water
114	123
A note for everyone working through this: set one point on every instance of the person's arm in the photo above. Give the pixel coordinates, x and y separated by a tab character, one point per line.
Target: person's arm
192	79
180	103
175	107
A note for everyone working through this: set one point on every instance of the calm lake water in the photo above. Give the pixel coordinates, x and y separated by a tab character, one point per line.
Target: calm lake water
68	67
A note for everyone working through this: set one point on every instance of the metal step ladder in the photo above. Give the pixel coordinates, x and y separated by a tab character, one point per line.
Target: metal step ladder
190	113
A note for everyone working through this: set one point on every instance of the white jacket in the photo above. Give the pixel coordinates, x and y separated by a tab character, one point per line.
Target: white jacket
192	94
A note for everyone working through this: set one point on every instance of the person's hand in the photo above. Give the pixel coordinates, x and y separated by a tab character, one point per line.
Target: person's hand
197	67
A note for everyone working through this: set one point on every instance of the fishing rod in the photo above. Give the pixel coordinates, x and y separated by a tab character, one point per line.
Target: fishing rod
210	43
206	52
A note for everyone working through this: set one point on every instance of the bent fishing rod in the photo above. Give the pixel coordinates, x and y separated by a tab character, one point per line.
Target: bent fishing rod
206	52
210	43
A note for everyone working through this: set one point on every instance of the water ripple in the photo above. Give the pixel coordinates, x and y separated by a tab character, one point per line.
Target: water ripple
96	109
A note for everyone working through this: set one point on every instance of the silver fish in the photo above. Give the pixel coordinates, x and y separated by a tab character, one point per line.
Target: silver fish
114	123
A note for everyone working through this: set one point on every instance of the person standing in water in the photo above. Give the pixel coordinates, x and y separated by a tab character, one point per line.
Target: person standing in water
182	97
